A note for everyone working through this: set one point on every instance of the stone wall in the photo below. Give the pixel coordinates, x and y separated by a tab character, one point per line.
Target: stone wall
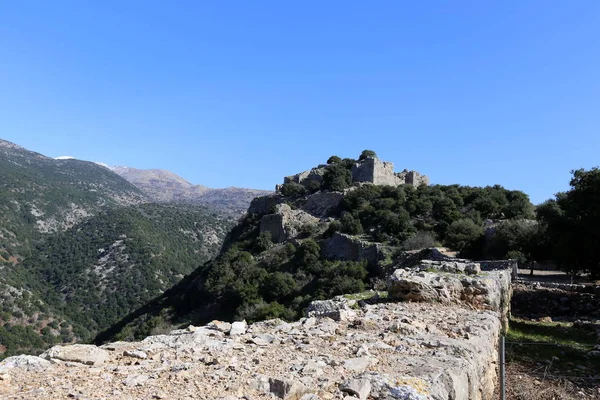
285	223
364	349
375	171
351	248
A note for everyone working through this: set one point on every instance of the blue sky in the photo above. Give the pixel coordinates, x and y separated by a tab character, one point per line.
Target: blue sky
242	93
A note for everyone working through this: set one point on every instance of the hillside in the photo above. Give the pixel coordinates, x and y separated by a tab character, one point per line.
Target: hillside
80	247
328	231
41	195
166	187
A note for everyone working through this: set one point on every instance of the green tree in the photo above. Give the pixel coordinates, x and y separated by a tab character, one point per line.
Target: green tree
334	160
463	233
572	221
337	177
367	154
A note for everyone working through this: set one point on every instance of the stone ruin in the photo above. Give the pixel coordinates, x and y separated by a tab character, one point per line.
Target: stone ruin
432	336
370	170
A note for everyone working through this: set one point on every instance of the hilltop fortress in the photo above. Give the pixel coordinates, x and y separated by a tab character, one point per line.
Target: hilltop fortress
369	170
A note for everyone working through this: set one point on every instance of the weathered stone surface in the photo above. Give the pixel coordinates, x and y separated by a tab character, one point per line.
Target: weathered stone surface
358	387
135	354
286	389
404	350
285	223
338	309
80	353
220	326
347	247
488	291
238	328
359	364
28	363
459	266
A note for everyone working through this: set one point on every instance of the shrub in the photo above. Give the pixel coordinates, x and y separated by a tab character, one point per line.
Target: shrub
421	240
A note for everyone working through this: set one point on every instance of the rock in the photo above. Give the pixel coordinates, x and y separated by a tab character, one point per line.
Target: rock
358	387
310	396
286	389
359	364
135	380
458	266
28	363
81	353
135	354
238	328
220	326
337	309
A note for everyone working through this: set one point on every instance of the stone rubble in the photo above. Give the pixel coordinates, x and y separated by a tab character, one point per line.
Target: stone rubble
344	349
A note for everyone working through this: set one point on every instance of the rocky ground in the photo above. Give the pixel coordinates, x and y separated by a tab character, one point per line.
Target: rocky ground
385	351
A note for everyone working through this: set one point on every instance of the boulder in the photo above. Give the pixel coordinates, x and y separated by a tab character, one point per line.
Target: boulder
28	363
338	309
80	353
287	389
238	328
357	387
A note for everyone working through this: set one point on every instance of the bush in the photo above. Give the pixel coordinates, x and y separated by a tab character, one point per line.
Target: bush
292	189
421	240
337	178
462	233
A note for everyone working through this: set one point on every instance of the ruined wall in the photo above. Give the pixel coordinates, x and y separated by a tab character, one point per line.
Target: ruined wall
375	171
407	350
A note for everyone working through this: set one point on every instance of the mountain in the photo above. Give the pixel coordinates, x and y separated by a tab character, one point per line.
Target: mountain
336	229
166	187
40	195
80	247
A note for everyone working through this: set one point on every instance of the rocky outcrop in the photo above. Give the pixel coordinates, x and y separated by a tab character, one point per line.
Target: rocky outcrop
79	353
351	248
490	291
285	223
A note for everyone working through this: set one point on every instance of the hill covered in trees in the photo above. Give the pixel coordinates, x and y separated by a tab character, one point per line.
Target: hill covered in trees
80	247
320	237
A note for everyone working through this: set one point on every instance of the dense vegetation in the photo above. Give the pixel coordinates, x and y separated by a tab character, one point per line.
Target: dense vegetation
569	230
79	249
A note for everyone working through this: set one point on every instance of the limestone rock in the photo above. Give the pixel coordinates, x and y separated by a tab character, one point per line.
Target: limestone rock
80	353
220	326
135	380
358	387
28	363
338	309
359	364
286	389
238	328
459	266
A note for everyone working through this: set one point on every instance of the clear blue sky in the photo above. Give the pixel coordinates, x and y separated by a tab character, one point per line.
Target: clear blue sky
242	93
